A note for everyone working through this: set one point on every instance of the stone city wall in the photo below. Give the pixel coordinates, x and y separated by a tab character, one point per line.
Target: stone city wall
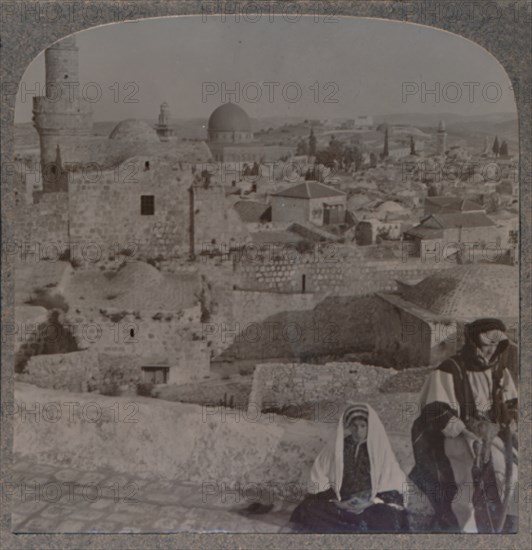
336	276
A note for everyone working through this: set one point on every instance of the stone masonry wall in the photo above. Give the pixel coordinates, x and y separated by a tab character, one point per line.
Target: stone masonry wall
108	212
45	222
335	325
239	313
336	276
278	385
80	371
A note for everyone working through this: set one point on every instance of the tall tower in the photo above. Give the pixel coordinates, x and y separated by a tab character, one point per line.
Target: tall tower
162	128
61	115
441	139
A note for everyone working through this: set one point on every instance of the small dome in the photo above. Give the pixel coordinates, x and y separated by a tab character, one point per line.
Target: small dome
390	206
229	118
468	291
134	130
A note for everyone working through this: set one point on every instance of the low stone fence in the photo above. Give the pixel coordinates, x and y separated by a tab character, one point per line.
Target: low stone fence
278	385
82	371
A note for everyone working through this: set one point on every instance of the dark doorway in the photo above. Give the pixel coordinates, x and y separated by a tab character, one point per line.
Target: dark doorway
155	375
303	283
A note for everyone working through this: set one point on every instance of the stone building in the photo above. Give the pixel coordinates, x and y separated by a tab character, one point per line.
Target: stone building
131	187
310	201
63	119
369	230
442	234
231	139
421	323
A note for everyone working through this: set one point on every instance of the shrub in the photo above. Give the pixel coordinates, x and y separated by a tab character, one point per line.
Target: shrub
145	389
111	389
65	255
117	317
76	262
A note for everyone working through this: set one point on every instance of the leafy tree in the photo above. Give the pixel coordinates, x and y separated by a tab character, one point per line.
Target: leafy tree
412	146
503	151
255	169
327	158
353	155
302	148
312	143
335	147
311	174
385	151
496	147
373	160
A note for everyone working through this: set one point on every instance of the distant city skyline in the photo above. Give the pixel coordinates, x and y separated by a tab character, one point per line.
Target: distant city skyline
373	67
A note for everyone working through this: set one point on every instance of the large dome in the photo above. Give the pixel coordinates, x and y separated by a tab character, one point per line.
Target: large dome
475	290
229	118
134	130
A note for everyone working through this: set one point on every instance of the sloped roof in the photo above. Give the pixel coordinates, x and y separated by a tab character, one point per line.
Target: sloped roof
458	219
454	203
469	219
468	291
251	211
425	232
310	190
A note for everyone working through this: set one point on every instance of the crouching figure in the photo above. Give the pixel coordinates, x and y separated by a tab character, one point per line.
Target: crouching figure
356	484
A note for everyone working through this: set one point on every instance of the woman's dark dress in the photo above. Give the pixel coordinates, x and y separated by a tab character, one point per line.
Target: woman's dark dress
316	513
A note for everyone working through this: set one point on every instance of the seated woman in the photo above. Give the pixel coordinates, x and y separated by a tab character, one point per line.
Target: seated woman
356	483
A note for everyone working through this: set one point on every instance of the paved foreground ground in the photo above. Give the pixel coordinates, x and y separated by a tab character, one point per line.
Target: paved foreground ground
54	499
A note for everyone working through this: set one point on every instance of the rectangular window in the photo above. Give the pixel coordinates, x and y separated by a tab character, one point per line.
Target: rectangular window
155	375
147	205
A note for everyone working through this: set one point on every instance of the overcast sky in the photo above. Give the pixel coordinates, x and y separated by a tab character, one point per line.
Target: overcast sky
369	62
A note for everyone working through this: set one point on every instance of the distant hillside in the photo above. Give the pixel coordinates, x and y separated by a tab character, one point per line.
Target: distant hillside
464	130
432	119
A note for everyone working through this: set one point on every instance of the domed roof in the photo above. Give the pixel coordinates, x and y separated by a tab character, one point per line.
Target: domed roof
229	118
468	291
390	206
134	129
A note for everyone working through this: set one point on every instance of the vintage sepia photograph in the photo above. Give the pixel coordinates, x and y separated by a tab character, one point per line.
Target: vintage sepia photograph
266	276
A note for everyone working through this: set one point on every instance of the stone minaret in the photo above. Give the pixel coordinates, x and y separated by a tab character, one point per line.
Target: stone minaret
61	115
441	139
162	128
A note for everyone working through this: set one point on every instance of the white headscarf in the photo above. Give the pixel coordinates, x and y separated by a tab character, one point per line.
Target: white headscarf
328	469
